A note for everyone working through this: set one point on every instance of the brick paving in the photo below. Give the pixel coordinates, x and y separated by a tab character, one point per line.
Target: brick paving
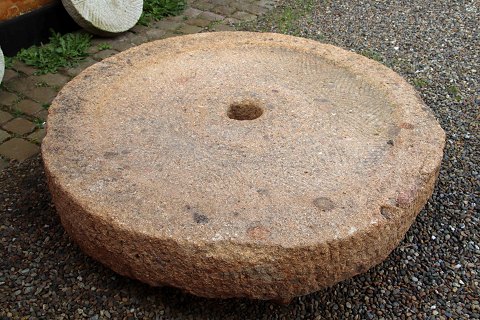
25	97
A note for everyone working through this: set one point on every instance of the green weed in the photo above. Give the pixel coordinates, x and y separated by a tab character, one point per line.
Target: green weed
157	9
8	62
62	51
39	123
453	91
104	46
372	55
420	82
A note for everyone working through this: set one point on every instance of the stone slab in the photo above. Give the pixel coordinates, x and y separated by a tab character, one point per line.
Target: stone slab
29	107
19	126
4	117
3	136
240	164
18	149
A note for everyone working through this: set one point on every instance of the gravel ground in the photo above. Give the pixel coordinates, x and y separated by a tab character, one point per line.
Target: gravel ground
433	274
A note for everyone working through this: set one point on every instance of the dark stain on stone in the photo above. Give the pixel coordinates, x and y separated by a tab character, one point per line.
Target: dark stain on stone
110	155
263	192
324	203
386	212
200	218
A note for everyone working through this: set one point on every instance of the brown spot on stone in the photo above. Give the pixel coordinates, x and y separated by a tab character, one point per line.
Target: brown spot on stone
406	125
324	203
404	199
258	232
200	218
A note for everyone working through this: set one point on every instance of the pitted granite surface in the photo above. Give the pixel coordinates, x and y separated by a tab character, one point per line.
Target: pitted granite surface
240	164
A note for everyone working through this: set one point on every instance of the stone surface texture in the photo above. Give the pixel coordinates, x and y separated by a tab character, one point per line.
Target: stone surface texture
152	177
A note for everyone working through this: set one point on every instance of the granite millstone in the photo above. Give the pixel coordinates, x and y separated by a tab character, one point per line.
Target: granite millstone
240	164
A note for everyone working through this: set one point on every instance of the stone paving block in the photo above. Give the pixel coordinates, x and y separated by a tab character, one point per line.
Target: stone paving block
22	84
42	115
231	21
220	2
250	8
122	45
192	12
5	116
269	4
37	136
7	98
168	25
222	27
139	29
198	22
72	72
4	136
29	107
18	149
224	10
210	16
137	39
42	94
179	18
22	67
52	79
155	34
203	5
188	29
126	41
104	54
19	126
244	16
9	75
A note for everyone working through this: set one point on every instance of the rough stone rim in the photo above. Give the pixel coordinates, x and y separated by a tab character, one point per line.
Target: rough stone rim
2	65
90	15
390	230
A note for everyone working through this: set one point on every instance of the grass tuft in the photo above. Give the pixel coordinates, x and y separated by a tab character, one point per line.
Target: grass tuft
157	9
62	51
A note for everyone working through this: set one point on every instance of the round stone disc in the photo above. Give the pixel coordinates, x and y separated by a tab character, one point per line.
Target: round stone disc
104	17
2	65
240	164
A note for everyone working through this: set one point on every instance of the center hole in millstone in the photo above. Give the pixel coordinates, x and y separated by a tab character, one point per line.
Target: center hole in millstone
245	110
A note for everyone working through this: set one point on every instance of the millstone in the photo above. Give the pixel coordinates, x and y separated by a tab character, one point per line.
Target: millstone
104	17
240	164
2	65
